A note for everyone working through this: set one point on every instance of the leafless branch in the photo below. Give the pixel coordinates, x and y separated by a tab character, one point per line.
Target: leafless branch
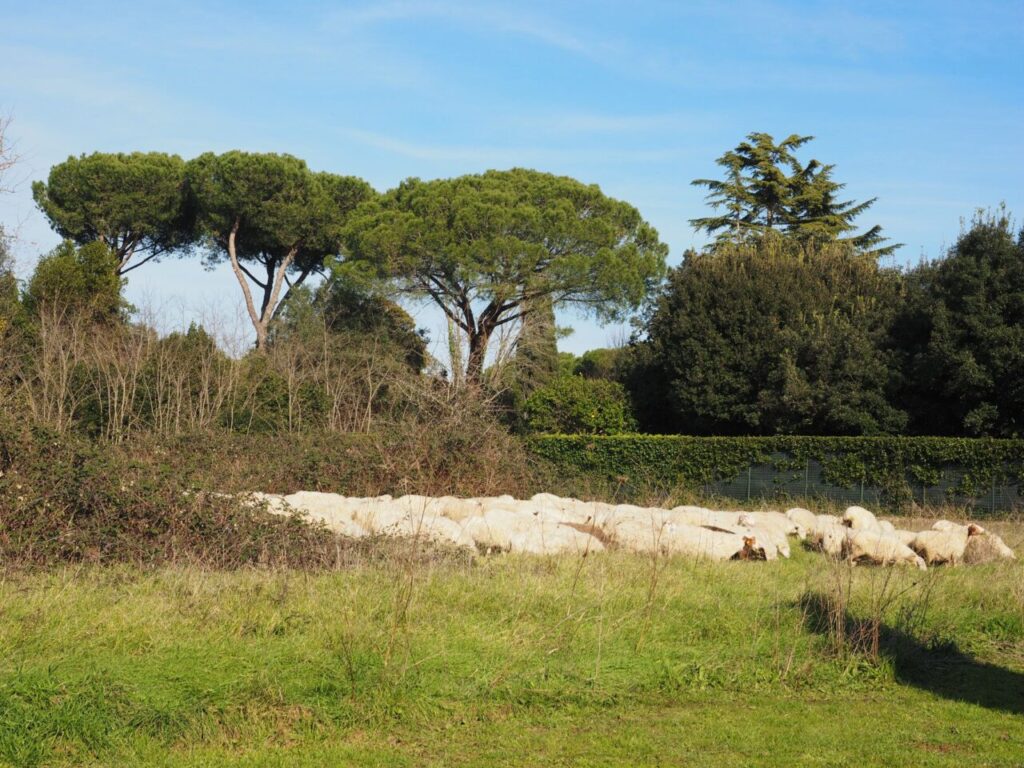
8	156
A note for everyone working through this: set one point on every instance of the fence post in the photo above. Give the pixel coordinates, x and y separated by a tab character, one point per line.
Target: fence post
750	470
807	477
992	504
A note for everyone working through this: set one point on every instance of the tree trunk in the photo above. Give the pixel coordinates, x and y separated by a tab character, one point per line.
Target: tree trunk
271	290
478	339
240	275
261	335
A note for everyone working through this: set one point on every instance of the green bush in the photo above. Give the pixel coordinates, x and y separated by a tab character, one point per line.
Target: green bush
772	337
892	465
575	405
83	279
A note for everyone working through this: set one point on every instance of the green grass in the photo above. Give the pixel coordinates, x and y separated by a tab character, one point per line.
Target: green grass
613	660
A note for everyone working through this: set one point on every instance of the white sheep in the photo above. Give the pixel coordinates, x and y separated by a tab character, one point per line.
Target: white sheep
949	525
985	548
377	517
778	520
780	526
941	547
548	524
828	537
907	537
859	518
495	528
485	536
437	529
635	534
684	509
707	544
511	530
804	518
549	499
332	510
653	531
771	537
555	538
703	516
879	548
553	507
766	543
459	509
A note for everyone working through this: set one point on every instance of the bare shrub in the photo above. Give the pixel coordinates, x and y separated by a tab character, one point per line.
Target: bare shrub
8	155
858	606
116	361
49	377
339	382
190	382
444	439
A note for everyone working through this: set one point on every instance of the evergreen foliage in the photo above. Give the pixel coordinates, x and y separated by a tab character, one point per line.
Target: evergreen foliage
575	405
134	203
271	213
483	247
771	337
77	280
962	334
785	325
895	466
767	189
346	308
602	363
535	363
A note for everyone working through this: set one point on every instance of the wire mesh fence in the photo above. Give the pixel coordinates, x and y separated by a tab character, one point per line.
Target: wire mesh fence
767	482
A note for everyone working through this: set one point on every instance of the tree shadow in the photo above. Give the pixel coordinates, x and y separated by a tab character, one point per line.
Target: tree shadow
942	669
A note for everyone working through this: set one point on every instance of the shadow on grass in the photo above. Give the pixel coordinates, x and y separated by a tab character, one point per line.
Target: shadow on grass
942	669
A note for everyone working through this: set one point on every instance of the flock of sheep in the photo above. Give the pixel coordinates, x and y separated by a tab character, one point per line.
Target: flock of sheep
548	524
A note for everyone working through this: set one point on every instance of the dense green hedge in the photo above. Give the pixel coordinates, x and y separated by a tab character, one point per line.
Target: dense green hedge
894	465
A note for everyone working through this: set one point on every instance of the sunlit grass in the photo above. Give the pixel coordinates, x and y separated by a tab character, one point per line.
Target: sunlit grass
612	660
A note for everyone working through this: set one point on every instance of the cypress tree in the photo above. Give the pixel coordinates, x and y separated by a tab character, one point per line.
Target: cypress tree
536	358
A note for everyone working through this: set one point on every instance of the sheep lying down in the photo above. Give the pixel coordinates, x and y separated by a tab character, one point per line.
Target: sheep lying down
860	536
679	538
549	524
879	548
545	524
954	543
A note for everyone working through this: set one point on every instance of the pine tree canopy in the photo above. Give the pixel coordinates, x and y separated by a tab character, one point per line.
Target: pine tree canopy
767	188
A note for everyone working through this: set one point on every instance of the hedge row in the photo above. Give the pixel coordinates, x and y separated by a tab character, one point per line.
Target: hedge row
893	465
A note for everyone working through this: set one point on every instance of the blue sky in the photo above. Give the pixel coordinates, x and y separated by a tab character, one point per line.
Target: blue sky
918	103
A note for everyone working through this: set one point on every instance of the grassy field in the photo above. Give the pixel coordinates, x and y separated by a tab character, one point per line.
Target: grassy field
615	659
